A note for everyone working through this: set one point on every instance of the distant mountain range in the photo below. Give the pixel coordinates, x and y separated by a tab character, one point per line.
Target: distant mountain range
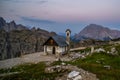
94	31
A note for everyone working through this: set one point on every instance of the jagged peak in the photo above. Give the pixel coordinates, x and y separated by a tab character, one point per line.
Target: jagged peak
1	17
10	25
13	22
2	22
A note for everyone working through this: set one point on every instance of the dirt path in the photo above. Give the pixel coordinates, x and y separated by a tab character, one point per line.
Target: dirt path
32	58
29	58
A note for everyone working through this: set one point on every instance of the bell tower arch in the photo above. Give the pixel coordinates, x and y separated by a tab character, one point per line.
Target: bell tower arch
68	35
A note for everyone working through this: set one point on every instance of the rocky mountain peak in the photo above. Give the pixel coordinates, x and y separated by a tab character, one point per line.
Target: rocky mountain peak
95	31
10	26
13	22
2	22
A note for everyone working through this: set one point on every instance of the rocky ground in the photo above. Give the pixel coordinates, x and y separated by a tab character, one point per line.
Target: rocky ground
74	73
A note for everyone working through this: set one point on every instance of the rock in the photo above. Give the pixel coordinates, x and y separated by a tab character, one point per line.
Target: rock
99	50
113	50
63	63
108	52
58	59
79	77
97	61
48	63
107	66
57	68
83	56
76	55
73	74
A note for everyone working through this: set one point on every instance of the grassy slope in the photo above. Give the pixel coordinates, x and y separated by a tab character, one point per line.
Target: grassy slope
102	73
28	72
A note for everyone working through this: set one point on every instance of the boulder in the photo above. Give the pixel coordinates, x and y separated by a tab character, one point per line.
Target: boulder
73	74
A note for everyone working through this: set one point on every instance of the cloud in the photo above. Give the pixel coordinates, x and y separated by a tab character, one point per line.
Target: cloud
36	20
26	1
16	1
42	1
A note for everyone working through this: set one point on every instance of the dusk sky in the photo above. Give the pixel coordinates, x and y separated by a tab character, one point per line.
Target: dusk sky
58	15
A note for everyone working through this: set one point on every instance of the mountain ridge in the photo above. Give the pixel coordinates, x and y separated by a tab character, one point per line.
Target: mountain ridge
11	25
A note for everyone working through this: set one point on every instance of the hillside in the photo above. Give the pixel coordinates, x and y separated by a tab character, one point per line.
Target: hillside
98	32
102	64
17	40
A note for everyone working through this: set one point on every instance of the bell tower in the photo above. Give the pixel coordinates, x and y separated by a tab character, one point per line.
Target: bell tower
68	35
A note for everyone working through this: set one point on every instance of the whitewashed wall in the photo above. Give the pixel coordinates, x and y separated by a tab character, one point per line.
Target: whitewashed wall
49	49
58	49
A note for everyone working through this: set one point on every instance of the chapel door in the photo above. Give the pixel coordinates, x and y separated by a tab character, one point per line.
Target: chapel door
53	50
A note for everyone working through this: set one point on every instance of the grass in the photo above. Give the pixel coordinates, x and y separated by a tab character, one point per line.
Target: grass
118	48
102	73
29	72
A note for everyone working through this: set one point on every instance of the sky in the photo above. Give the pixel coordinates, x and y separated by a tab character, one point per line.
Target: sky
59	15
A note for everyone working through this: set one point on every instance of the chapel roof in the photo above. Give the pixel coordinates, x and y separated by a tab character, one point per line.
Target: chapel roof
59	40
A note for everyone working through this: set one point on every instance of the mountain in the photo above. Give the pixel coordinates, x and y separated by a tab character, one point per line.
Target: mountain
94	31
10	26
17	40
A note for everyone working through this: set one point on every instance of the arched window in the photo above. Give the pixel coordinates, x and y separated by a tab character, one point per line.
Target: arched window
67	34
